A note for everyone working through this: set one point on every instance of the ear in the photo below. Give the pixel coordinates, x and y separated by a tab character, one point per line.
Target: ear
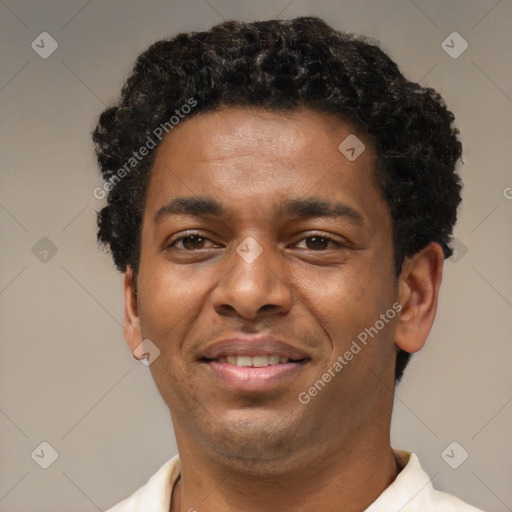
418	292
132	330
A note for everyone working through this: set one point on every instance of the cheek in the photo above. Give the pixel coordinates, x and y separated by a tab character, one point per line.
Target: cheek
347	302
170	299
171	303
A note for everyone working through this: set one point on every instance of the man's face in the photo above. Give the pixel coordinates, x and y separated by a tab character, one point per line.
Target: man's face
310	281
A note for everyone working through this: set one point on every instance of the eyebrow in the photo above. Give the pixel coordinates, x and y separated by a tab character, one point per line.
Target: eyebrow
303	207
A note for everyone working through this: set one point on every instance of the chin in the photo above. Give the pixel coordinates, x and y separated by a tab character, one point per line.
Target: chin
255	443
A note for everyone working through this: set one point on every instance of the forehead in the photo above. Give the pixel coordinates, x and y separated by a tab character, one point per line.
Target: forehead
233	132
247	157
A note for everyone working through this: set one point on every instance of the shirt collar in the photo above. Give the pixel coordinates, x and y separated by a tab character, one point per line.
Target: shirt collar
410	491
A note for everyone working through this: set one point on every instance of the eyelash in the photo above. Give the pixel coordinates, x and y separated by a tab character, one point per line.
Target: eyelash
195	233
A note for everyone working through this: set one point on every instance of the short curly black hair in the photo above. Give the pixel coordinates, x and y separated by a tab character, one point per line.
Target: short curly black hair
283	65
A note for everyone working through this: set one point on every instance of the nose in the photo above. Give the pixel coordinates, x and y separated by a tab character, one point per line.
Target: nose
253	286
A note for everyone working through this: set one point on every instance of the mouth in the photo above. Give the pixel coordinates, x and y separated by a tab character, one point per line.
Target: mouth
253	364
255	361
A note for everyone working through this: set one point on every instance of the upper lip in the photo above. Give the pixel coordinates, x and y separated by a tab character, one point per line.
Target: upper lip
254	345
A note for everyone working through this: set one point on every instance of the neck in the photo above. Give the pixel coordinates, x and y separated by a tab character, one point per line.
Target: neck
352	476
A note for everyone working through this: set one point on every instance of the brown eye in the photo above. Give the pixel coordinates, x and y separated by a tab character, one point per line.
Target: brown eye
319	243
190	242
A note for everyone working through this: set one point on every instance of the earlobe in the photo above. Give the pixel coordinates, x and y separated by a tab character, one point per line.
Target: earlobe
419	284
132	330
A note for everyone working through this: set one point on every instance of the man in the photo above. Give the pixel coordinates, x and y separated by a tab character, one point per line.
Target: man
280	201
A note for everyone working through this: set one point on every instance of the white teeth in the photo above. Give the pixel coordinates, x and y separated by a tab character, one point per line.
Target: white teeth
256	361
259	361
244	361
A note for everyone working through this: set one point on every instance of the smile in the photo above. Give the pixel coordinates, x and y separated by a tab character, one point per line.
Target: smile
253	364
257	374
255	361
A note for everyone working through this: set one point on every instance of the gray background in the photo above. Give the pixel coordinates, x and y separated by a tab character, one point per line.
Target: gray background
66	374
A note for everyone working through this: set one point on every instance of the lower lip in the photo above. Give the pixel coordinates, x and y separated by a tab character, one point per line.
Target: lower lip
250	379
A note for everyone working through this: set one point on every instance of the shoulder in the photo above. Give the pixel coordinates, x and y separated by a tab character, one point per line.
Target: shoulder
439	500
450	503
155	494
412	491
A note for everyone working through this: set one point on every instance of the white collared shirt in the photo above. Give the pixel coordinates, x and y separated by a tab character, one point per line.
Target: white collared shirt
411	491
